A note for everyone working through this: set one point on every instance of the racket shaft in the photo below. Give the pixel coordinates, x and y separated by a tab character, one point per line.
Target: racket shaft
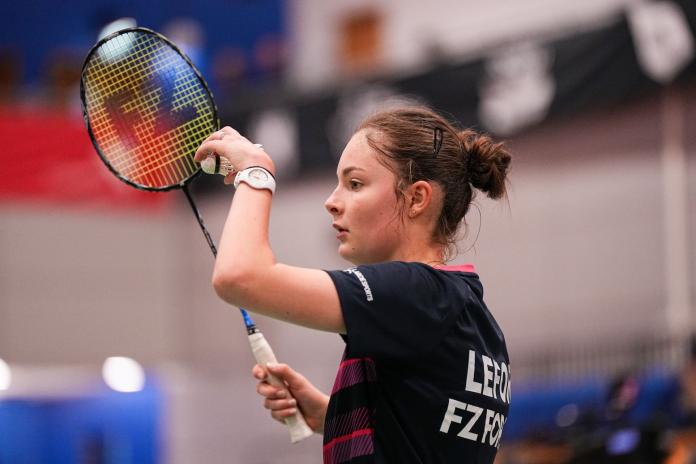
298	428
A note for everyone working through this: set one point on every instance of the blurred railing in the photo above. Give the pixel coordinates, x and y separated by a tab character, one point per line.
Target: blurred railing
602	359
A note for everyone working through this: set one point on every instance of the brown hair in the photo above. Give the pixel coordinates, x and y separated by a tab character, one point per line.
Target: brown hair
423	145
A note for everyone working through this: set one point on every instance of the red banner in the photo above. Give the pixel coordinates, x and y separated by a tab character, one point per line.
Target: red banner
47	157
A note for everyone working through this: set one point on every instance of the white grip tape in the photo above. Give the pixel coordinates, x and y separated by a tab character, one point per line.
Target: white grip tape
298	428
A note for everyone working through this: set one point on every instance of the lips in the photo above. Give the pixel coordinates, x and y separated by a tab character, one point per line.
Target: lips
341	231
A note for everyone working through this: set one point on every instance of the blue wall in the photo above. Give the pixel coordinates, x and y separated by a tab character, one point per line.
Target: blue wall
108	428
34	27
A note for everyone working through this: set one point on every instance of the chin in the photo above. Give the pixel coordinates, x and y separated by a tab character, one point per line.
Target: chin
362	256
345	251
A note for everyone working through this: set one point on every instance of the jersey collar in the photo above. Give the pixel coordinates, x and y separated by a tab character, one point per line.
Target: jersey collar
458	268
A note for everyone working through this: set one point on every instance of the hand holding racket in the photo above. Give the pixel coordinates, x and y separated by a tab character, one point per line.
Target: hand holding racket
147	109
227	152
304	395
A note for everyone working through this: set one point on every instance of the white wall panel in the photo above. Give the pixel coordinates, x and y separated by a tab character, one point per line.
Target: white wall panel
412	29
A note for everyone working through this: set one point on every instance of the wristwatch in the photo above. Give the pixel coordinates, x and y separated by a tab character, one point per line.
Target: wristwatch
256	177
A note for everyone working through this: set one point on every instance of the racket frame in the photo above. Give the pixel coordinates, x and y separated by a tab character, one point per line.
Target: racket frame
199	76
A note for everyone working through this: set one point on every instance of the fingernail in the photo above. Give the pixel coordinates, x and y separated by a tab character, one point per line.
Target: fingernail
292	410
293	402
281	394
271	365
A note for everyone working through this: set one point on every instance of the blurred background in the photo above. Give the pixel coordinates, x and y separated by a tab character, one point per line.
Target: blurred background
113	345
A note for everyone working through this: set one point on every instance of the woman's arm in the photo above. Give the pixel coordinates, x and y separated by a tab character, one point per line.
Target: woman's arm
246	273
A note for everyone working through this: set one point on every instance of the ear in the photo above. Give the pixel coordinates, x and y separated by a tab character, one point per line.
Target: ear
419	196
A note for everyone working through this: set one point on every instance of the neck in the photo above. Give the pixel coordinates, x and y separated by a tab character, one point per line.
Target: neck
417	244
432	255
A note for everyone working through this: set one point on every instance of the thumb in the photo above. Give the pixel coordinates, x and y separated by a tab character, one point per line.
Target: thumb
259	372
286	373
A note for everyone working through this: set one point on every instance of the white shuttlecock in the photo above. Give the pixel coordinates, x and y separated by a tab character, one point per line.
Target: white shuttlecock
216	164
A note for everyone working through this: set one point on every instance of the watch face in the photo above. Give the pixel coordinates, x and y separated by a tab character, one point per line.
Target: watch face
258	174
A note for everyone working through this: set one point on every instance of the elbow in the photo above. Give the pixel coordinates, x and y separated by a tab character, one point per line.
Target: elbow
219	283
229	285
238	284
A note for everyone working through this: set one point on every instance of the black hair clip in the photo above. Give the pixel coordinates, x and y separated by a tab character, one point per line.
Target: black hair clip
437	140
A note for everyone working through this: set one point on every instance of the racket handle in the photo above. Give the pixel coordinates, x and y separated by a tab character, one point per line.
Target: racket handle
298	428
216	164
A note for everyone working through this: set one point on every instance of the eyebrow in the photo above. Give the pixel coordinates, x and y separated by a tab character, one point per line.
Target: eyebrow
350	169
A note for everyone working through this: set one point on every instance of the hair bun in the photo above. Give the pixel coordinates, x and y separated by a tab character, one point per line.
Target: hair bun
487	162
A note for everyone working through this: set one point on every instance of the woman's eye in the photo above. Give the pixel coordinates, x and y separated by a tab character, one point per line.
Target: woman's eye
355	185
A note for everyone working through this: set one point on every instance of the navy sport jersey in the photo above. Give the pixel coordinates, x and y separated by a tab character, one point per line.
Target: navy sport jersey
425	377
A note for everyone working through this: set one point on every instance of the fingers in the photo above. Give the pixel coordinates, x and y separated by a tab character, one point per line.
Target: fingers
221	134
226	133
217	135
208	147
229	147
279	405
271	392
227	130
282	371
283	414
237	150
276	399
259	372
286	373
281	408
265	389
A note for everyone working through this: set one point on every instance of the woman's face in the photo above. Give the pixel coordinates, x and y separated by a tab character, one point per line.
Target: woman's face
365	210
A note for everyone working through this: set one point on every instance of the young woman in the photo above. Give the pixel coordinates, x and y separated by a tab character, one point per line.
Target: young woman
425	376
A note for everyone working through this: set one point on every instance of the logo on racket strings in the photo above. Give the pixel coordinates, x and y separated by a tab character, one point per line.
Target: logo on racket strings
126	114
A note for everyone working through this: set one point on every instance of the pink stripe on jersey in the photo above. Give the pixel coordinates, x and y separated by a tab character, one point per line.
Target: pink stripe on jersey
348	362
353	371
459	268
342	449
350	434
340	426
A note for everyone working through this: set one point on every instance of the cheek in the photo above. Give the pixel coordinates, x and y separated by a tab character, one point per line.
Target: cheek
373	212
380	218
389	209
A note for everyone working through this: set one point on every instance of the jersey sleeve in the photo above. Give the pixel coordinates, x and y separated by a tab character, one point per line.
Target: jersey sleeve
394	310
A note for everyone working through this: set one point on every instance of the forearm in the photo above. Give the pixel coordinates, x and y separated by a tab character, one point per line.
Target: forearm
244	242
244	249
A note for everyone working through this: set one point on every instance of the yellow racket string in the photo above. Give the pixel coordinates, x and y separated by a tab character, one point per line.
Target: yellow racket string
138	65
145	103
199	101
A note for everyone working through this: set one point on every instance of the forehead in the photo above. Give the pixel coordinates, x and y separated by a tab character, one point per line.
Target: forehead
358	153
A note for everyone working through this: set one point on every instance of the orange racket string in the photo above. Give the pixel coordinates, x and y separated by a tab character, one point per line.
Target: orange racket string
132	63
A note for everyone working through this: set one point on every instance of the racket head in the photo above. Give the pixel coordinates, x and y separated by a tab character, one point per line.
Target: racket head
147	108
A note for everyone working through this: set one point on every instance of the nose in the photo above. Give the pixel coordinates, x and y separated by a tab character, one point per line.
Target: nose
332	204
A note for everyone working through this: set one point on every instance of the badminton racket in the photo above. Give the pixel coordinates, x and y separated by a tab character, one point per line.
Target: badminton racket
147	109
